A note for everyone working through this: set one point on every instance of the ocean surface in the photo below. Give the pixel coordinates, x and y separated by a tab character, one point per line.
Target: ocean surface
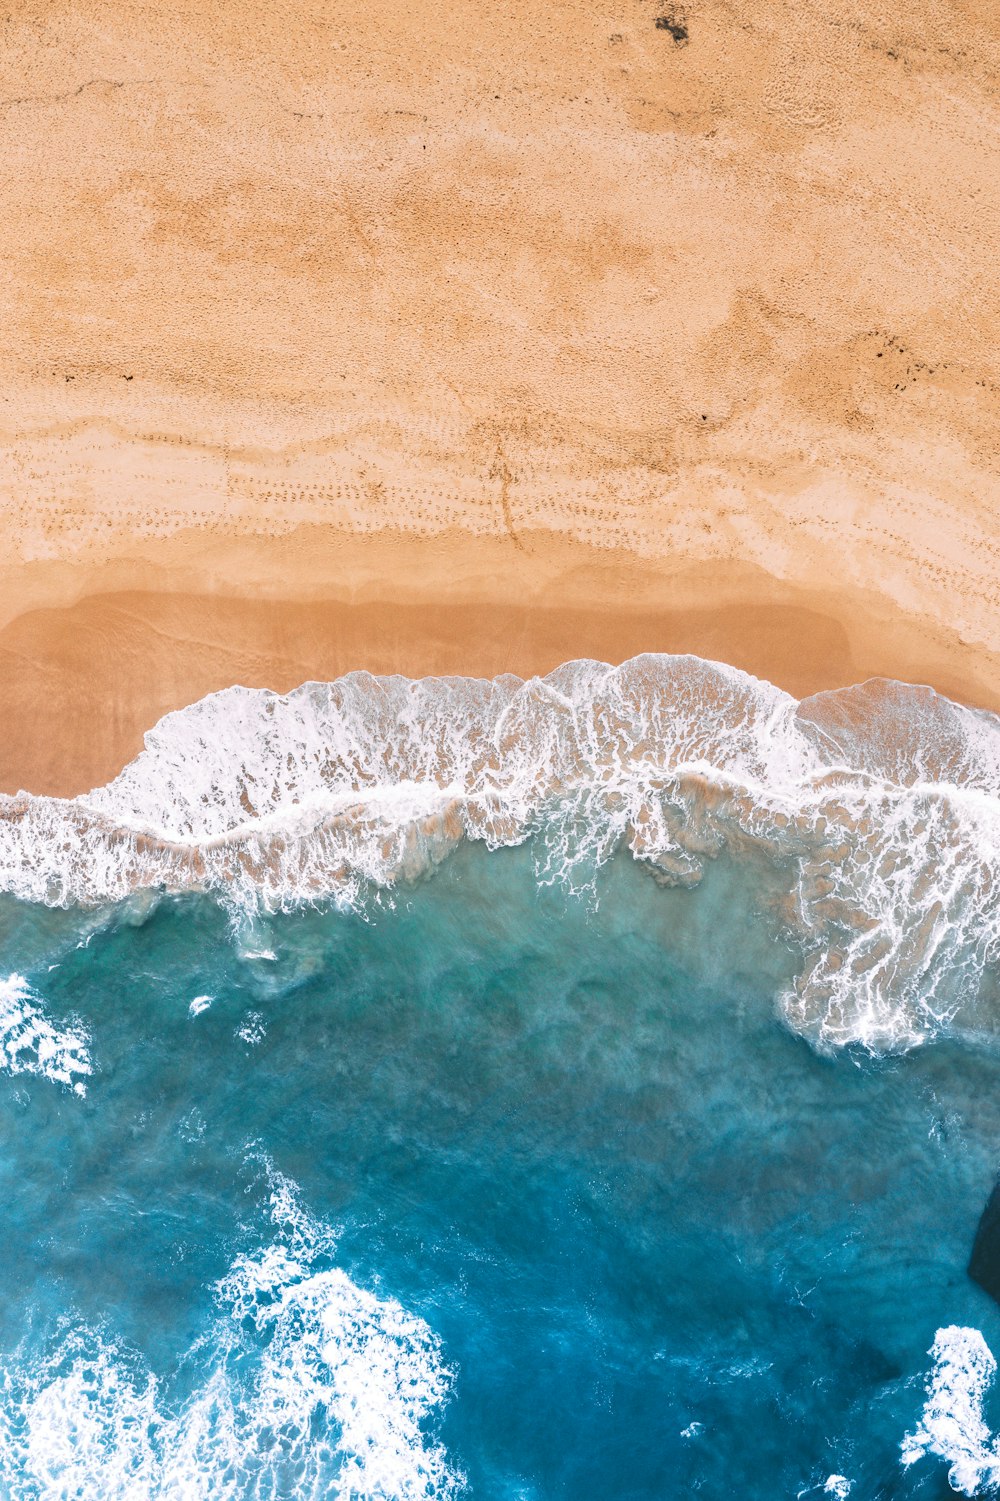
587	1088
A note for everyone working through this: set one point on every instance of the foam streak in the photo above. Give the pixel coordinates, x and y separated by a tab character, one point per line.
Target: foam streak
882	800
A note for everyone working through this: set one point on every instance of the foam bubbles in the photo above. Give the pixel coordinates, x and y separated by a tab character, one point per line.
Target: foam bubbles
882	802
252	1029
837	1486
31	1044
952	1426
309	1385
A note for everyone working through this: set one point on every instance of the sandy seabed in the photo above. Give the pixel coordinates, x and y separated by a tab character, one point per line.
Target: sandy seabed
441	340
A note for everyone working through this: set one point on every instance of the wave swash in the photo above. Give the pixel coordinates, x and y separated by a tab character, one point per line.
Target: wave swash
882	800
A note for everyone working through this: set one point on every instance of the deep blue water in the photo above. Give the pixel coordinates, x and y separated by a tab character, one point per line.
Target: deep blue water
639	1240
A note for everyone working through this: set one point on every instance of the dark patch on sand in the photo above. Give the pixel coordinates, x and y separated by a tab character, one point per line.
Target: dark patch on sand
676	24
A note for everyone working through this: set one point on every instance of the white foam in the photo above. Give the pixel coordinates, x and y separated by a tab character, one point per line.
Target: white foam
882	801
252	1030
31	1044
837	1486
310	1386
199	1004
952	1426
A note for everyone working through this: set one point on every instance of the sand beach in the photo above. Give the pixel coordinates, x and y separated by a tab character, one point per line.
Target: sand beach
437	340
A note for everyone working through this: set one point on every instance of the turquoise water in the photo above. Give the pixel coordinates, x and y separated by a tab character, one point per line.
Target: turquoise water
498	1191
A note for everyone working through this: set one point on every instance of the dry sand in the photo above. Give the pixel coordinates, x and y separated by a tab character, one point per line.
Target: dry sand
441	338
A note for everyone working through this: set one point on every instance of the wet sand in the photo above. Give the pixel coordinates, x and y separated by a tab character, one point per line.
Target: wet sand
80	682
438	341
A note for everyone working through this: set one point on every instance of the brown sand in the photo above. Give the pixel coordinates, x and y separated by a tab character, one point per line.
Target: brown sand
438	338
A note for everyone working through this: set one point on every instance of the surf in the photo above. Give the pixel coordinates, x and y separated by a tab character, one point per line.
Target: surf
881	802
303	1384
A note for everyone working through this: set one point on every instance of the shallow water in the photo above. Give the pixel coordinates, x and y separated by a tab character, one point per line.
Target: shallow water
881	803
498	1191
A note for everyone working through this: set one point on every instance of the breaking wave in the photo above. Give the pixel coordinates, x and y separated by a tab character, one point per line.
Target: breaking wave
882	801
307	1385
953	1427
31	1044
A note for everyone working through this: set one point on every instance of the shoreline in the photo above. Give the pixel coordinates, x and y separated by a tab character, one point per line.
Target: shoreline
84	676
336	340
861	798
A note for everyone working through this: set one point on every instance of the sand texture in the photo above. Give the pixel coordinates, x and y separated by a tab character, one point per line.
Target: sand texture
444	338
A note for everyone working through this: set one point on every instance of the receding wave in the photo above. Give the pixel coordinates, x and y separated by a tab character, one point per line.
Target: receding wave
883	802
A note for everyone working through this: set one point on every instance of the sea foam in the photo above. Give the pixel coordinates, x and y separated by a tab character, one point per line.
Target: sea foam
881	801
306	1385
31	1044
953	1427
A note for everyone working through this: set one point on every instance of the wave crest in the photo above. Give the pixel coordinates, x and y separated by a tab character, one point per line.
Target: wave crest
31	1044
953	1426
883	800
306	1384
